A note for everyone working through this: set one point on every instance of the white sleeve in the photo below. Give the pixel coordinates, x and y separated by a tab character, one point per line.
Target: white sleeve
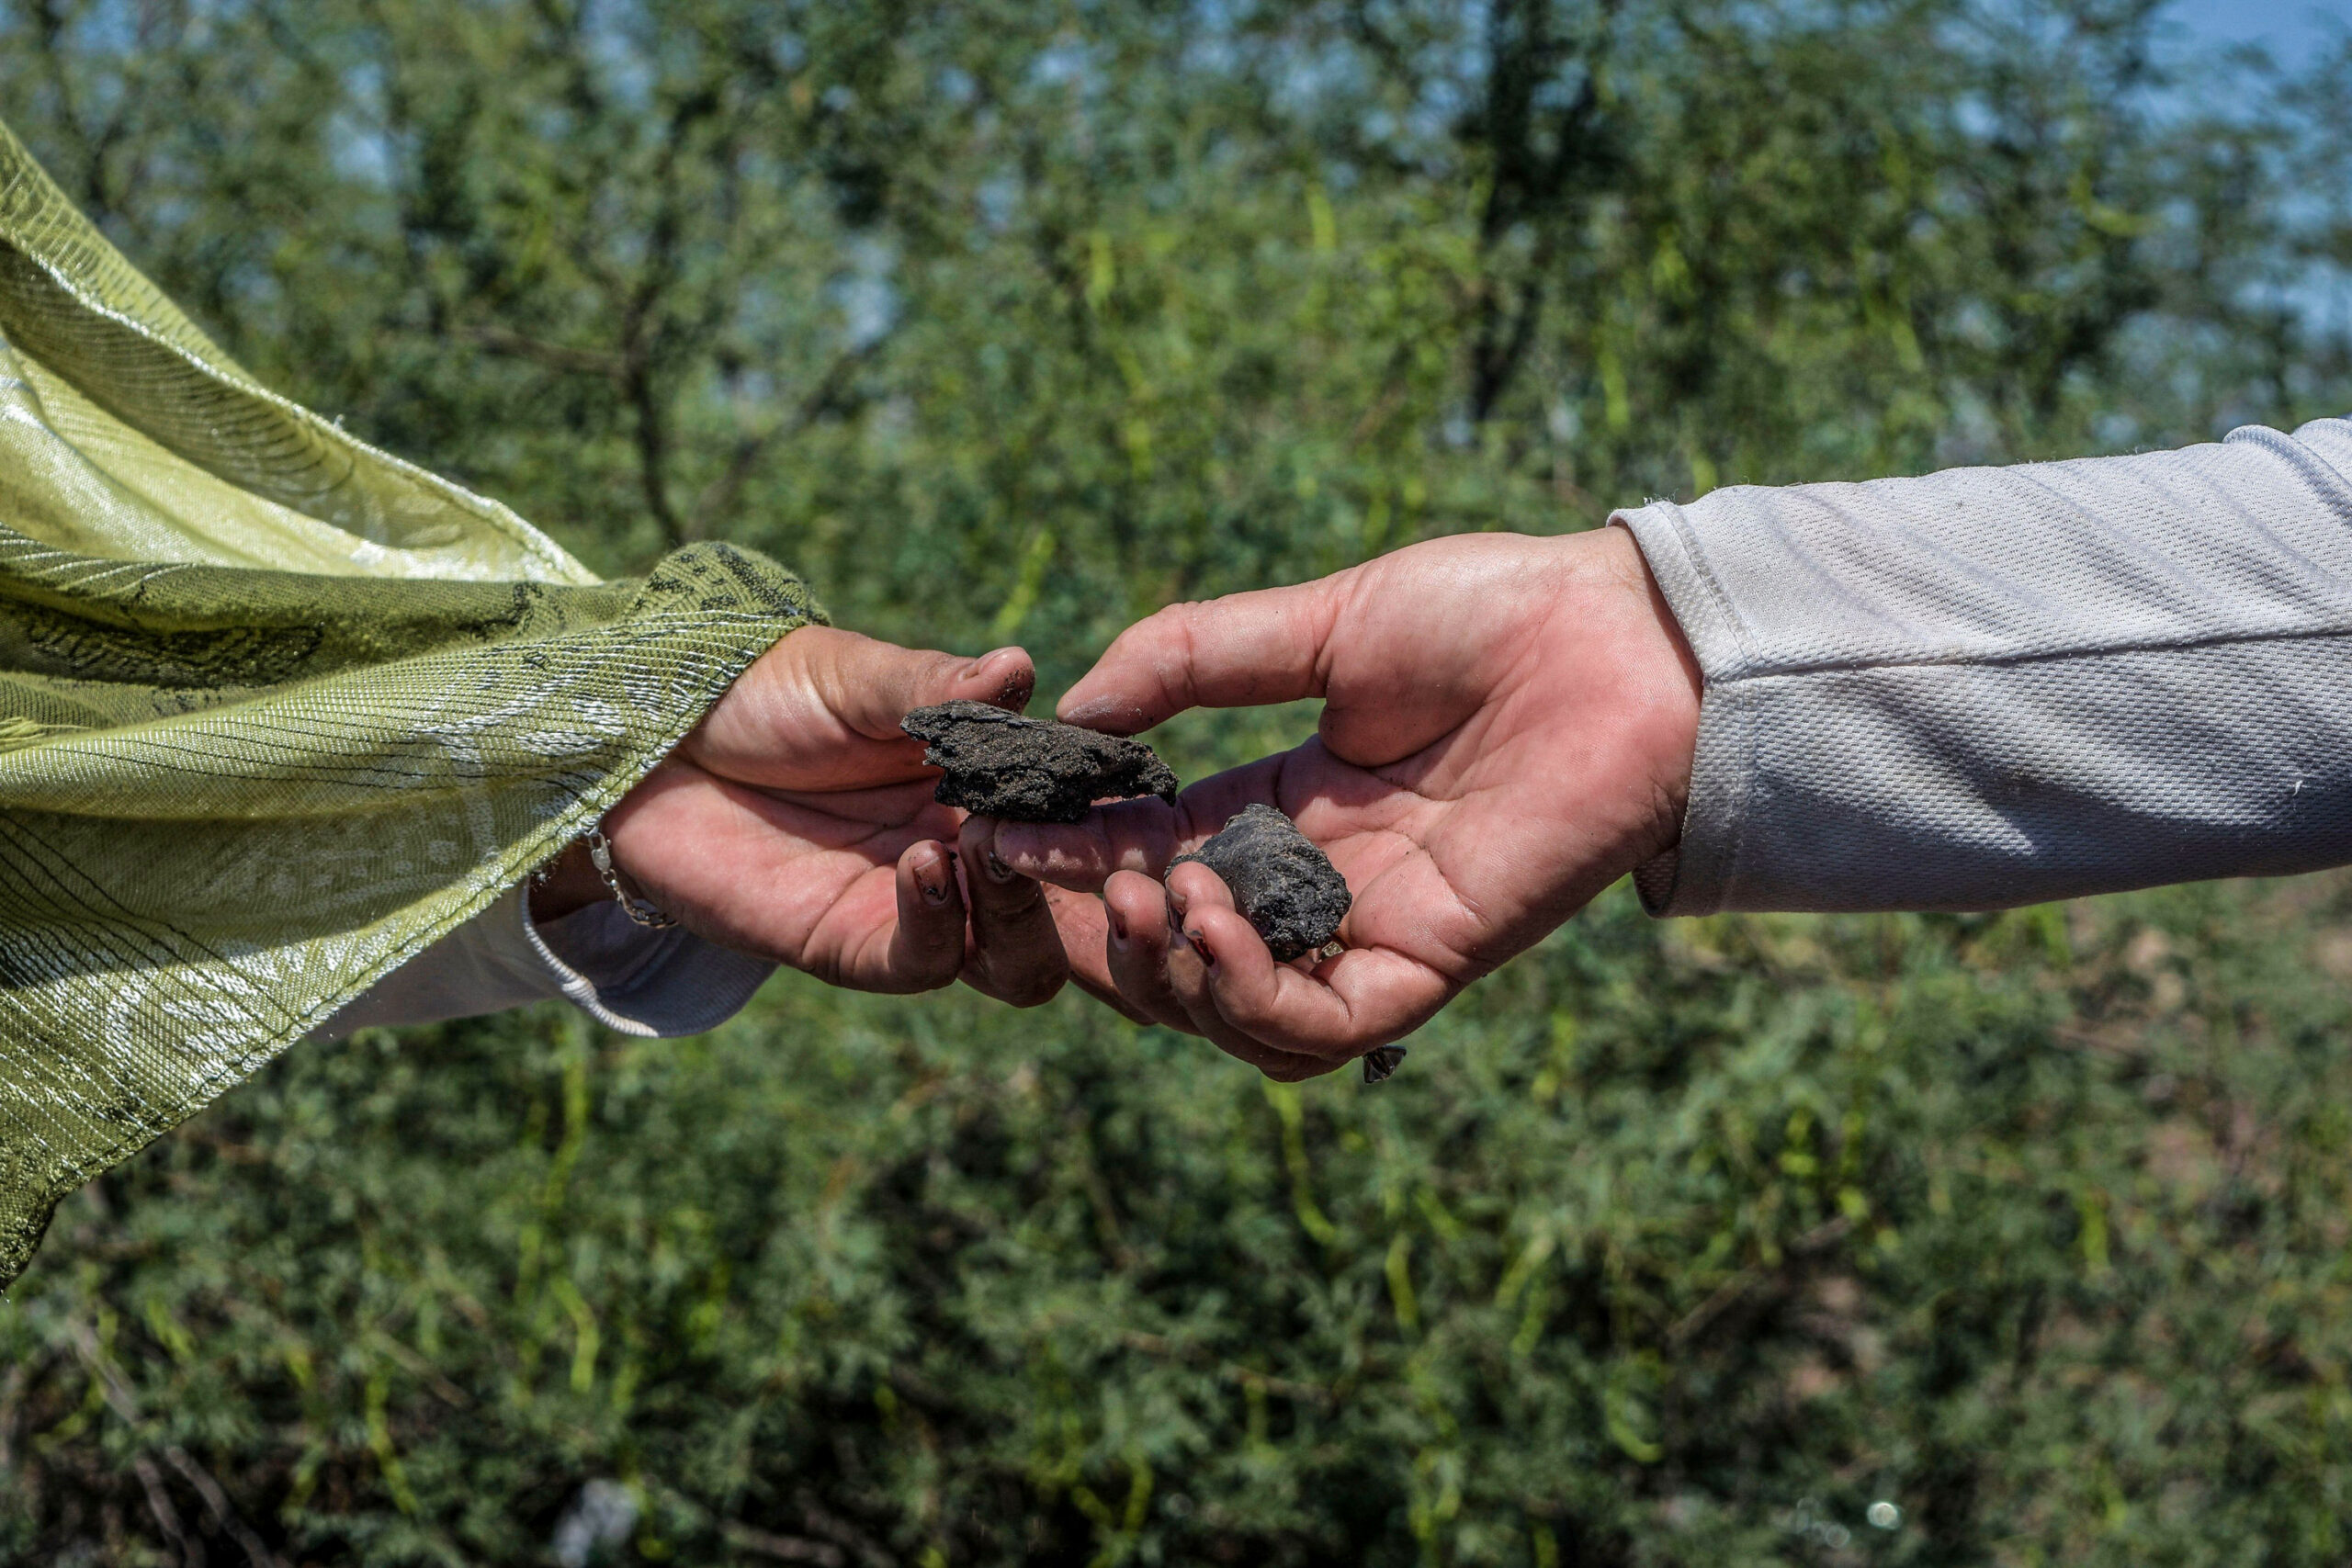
626	977
1994	686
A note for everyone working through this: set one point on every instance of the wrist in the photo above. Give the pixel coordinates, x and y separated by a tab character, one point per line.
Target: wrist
565	886
1661	687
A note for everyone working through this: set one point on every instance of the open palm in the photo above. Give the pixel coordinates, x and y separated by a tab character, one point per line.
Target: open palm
1506	730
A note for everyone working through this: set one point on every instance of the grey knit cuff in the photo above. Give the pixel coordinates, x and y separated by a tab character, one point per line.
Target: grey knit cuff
1692	877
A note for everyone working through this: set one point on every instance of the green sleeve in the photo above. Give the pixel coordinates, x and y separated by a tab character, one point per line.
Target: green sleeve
276	710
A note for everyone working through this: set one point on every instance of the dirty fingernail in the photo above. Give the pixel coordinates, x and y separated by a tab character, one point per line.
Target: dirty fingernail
1016	679
998	869
1118	928
932	877
1201	947
1177	901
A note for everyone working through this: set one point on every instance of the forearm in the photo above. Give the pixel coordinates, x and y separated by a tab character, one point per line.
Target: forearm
1989	687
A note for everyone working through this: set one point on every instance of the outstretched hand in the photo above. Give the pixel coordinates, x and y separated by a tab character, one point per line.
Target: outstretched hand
797	823
1508	729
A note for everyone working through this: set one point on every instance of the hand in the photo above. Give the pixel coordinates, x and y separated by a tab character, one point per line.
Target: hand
796	822
1508	729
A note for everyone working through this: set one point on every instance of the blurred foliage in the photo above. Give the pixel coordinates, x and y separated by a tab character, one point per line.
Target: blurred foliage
1677	1243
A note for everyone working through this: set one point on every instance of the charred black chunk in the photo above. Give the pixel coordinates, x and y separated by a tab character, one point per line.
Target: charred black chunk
1280	882
1031	770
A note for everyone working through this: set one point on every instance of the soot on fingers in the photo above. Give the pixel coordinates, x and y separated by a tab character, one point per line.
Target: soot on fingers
1031	770
1282	883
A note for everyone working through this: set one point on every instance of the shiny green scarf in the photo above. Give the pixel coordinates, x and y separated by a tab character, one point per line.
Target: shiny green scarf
278	711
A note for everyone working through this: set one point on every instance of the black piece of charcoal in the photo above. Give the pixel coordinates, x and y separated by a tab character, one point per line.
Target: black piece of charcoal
1031	770
1280	882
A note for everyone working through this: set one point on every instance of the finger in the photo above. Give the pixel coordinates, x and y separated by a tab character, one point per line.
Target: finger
1284	1066
1200	937
1084	923
820	710
925	948
1230	986
1125	835
1136	835
1207	934
1135	949
1014	953
1239	651
872	685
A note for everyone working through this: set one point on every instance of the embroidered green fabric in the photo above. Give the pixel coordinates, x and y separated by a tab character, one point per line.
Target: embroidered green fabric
277	710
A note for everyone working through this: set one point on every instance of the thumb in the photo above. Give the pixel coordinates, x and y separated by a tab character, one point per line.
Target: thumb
868	686
1243	650
820	710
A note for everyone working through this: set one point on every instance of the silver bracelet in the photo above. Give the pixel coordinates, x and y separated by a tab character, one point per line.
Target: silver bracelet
600	855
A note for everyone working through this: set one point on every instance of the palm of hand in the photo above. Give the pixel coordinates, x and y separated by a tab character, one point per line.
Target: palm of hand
809	879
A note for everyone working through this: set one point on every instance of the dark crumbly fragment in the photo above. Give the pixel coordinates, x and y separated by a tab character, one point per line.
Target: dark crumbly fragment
1031	770
1280	882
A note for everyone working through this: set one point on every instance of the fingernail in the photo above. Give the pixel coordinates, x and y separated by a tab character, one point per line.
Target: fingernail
1019	680
998	869
1202	948
1177	901
932	880
1118	928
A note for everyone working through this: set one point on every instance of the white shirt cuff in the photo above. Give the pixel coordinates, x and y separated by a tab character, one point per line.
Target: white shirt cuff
629	978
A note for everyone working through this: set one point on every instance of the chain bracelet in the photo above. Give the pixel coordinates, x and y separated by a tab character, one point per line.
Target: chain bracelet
643	911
